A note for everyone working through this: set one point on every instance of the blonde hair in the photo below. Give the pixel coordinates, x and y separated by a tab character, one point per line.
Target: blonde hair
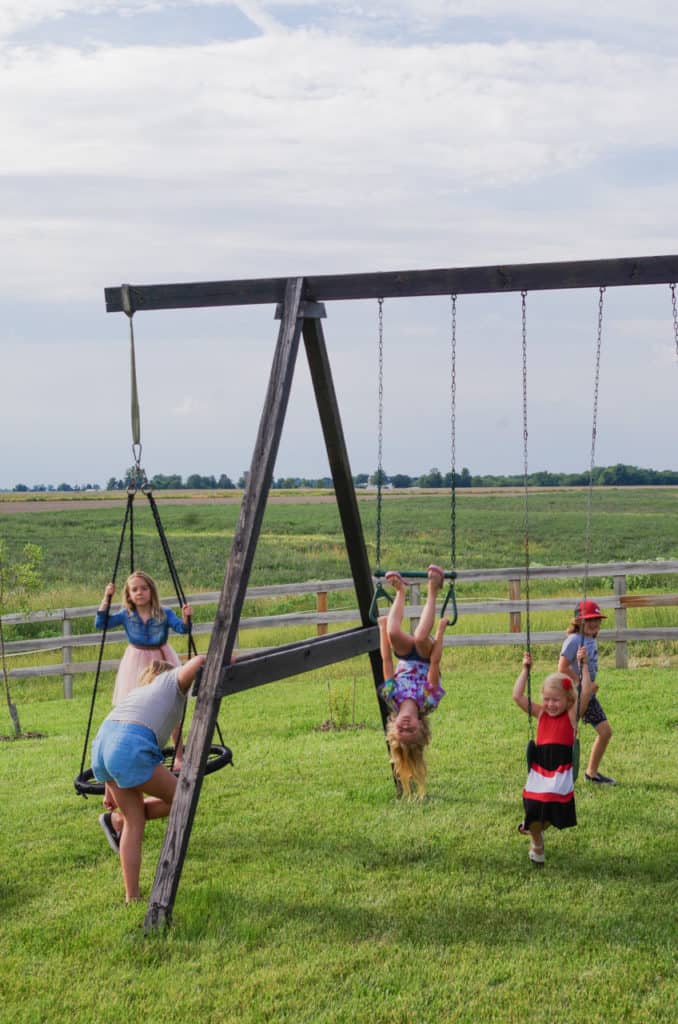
562	683
407	758
156	611
153	670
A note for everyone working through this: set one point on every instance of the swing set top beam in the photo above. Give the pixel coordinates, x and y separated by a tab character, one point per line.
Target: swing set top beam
517	277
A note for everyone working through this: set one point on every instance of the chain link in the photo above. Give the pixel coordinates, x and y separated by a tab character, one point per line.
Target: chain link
380	426
453	424
674	307
594	436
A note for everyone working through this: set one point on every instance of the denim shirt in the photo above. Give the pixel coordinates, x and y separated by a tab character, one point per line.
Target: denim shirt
143	634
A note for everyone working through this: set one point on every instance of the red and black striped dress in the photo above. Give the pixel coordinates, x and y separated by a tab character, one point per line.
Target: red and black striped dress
549	791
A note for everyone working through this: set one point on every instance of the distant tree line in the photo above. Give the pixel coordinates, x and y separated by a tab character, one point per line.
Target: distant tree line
619	475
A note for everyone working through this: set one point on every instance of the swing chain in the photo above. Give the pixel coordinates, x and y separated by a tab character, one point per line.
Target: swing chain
526	521
453	442
380	428
594	435
674	307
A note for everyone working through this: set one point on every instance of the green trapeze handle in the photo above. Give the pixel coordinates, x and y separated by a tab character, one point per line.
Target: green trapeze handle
450	596
374	606
411	574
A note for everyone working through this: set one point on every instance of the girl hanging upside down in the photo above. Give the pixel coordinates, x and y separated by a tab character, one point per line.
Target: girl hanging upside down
412	690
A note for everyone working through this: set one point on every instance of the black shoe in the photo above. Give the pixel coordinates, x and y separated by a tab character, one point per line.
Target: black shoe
113	837
600	778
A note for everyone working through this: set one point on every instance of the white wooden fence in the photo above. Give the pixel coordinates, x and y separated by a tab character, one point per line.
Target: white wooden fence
513	606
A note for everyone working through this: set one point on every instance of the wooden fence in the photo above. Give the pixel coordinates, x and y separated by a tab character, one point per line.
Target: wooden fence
513	606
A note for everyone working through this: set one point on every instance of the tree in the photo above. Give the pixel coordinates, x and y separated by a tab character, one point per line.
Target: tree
18	580
374	479
401	480
224	483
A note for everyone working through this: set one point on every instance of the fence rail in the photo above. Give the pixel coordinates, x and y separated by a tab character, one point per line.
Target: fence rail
322	618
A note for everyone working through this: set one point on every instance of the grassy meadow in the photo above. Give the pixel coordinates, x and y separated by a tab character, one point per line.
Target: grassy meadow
309	893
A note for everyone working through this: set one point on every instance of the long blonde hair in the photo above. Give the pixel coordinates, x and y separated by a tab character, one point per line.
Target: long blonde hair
156	611
407	759
153	670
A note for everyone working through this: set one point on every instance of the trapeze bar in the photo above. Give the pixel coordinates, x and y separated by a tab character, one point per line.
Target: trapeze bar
295	659
642	270
411	574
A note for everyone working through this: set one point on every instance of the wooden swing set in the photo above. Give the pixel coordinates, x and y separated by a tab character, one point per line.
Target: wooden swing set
300	309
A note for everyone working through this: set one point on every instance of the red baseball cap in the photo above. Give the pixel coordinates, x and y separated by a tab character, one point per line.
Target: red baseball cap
588	610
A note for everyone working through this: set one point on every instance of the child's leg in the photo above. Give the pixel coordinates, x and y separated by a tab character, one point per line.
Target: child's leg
400	641
422	634
603	737
131	804
178	748
433	675
536	851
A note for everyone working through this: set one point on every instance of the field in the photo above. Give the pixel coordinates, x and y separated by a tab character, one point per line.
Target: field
309	893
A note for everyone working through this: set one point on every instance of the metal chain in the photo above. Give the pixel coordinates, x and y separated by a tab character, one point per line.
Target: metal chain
380	428
526	520
674	307
453	442
594	435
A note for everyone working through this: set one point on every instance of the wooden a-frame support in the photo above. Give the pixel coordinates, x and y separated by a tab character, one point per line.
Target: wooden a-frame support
297	318
300	315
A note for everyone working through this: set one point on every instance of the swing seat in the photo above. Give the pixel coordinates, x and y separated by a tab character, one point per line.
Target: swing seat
576	757
219	756
530	753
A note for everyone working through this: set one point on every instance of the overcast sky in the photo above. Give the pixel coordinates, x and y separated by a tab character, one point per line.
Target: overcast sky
151	142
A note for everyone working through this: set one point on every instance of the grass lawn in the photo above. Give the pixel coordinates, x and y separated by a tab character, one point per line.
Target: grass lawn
309	894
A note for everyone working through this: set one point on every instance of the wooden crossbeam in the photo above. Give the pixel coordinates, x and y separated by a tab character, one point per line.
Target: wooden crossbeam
296	658
516	277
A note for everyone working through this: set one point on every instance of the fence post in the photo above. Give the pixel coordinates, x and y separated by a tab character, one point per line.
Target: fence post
621	646
66	633
515	625
321	606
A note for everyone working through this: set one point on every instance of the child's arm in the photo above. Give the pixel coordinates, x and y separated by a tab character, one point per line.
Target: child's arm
186	613
519	695
108	596
588	688
189	671
385	648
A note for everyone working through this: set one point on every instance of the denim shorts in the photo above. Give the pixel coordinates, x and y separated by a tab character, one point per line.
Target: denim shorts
594	713
125	753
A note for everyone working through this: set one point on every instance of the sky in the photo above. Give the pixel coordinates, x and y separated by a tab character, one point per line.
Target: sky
166	141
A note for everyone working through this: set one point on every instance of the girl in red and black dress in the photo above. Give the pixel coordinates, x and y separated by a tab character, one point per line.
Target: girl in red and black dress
548	796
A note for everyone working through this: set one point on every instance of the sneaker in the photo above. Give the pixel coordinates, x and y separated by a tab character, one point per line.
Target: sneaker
600	778
536	855
113	837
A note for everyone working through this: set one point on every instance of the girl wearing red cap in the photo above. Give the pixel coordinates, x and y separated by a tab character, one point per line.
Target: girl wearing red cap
584	629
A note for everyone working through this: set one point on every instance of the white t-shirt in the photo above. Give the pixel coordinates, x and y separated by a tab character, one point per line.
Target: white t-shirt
158	705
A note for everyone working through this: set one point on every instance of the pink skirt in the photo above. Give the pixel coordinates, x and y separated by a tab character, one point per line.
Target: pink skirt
133	663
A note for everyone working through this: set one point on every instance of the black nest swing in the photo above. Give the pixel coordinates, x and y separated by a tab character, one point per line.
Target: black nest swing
219	754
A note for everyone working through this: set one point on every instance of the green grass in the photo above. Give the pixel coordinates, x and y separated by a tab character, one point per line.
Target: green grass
309	894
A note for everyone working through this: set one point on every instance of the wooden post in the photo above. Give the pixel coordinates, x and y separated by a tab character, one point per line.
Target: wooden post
232	598
344	488
66	633
321	606
621	647
515	624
